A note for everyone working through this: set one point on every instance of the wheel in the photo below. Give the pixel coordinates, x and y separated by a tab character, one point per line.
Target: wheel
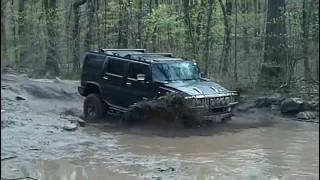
94	108
225	120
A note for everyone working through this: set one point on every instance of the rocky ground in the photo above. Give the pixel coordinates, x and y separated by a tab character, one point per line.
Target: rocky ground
41	119
294	108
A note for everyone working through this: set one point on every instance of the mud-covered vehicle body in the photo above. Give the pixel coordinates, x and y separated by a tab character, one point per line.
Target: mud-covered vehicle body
115	79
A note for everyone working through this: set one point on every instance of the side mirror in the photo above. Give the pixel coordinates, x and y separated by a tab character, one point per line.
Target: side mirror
202	75
141	77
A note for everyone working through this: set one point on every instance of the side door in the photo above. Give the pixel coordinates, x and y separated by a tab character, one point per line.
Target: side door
113	81
138	90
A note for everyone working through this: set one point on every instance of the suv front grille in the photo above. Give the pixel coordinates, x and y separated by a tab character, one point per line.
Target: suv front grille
211	101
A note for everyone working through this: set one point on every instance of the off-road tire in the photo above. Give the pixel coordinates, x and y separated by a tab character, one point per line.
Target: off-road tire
225	120
94	108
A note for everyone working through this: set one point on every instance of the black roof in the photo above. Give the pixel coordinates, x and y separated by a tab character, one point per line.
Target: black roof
139	55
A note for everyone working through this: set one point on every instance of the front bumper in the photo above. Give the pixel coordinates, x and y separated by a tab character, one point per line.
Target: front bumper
215	114
217	117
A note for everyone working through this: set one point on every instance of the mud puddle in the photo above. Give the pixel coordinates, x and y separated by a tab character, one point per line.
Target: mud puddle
255	145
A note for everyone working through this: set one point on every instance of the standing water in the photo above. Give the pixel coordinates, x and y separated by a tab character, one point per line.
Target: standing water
241	149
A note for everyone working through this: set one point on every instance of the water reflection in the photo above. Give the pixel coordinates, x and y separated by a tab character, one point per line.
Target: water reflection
65	170
288	150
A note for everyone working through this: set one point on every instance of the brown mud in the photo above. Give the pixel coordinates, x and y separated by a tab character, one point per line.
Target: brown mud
34	143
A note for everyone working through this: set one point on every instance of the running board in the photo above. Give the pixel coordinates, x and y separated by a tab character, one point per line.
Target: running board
123	110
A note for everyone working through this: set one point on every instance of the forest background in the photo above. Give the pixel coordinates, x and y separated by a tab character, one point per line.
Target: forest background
242	44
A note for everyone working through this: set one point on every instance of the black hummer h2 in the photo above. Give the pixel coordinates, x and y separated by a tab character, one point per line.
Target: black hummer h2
115	79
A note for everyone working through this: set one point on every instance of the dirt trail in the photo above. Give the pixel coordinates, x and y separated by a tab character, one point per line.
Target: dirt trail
35	142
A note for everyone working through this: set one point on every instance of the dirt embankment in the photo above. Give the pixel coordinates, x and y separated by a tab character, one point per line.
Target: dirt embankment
37	112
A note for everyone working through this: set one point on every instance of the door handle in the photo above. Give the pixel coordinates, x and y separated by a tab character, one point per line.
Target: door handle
105	77
128	83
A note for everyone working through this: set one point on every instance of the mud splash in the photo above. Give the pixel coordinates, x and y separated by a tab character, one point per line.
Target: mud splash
171	110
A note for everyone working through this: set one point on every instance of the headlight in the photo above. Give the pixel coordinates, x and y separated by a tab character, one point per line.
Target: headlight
227	99
232	99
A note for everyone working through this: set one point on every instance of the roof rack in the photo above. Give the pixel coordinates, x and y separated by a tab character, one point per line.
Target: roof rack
150	54
114	50
138	55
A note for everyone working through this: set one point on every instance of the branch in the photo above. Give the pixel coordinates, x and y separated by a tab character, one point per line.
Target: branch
78	3
10	157
27	177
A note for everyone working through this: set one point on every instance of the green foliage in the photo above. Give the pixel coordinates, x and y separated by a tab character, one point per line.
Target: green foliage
161	28
165	22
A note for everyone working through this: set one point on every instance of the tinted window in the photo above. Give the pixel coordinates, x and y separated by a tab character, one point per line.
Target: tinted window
137	68
116	66
93	61
90	60
175	71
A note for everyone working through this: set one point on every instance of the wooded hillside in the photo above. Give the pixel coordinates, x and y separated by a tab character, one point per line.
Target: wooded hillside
271	43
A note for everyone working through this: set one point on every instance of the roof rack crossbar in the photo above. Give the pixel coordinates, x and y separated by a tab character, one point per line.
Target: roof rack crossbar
146	54
138	50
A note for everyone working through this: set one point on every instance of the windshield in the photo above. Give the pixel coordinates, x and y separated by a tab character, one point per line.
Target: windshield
174	71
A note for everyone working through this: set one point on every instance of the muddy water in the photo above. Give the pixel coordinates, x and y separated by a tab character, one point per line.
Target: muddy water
242	149
284	150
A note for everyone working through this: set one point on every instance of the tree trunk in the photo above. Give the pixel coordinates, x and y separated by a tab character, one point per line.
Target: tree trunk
245	40
139	37
88	41
76	35
21	32
190	27
314	28
235	70
97	41
155	30
207	42
105	24
305	35
52	66
123	28
257	30
200	25
224	60
69	41
14	34
3	34
146	40
273	69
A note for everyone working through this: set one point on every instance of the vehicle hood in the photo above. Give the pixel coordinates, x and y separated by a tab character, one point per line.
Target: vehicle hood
195	88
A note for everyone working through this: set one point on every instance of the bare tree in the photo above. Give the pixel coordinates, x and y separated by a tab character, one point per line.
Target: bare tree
52	66
305	35
21	31
235	75
190	26
3	31
208	29
273	69
90	31
123	24
155	29
140	13
76	34
226	11
105	23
